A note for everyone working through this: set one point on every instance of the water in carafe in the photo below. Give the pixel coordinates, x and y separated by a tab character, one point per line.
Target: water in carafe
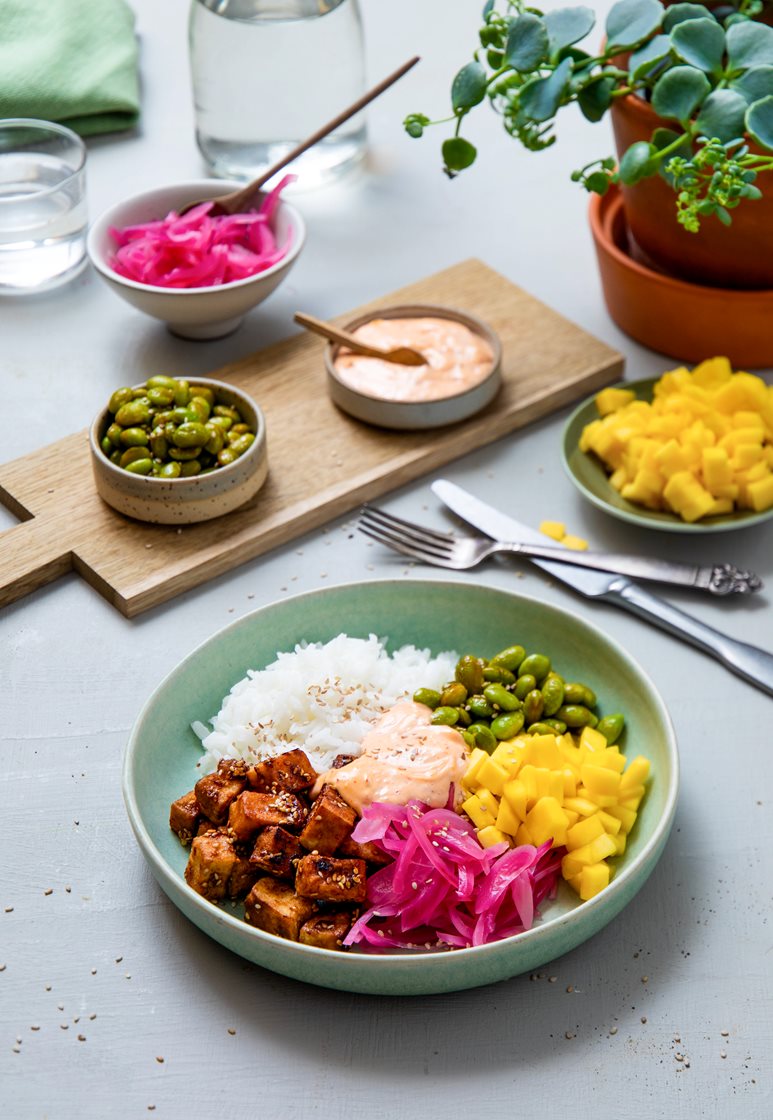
266	74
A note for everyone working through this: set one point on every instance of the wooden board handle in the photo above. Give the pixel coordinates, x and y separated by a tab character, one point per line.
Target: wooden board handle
30	557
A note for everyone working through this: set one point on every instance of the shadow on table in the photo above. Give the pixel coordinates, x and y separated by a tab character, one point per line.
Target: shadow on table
601	989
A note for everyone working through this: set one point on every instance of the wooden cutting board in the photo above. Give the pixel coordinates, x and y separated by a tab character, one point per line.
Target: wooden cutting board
322	463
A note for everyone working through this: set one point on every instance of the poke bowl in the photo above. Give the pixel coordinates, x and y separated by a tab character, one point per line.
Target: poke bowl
204	312
163	755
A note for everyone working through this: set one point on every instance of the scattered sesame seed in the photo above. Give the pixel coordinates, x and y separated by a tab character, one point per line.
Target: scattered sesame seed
160	1060
152	1107
64	1026
644	1018
128	975
118	961
68	889
3	967
35	1028
148	546
49	891
724	1033
9	909
570	988
93	1016
77	1019
231	1030
723	1053
93	972
552	979
644	979
48	987
81	1038
679	1057
60	1006
568	1034
16	1049
613	1030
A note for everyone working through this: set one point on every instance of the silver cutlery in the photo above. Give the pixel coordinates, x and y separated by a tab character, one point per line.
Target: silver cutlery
448	551
753	664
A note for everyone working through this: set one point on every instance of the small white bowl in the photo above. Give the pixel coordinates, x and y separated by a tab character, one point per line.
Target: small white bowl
198	313
416	415
185	501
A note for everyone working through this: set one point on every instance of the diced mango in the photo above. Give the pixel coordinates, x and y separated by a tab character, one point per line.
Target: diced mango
627	817
481	815
544	752
477	758
597	849
611	824
592	739
507	821
546	821
493	776
490	835
593	879
515	795
620	842
523	836
584	831
553	529
760	494
577	544
600	780
612	399
636	773
581	805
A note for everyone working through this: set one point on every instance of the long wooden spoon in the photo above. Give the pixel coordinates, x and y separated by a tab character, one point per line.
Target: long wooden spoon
237	202
401	355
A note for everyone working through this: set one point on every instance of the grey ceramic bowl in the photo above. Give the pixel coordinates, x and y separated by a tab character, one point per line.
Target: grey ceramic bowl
184	501
416	415
161	757
198	313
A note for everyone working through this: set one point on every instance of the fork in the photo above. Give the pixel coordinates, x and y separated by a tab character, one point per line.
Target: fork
448	551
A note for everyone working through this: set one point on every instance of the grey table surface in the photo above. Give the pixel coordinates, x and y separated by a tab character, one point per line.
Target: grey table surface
111	1003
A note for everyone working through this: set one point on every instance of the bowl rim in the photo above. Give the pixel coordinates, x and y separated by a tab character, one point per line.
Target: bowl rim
417	311
660	520
104	221
208	382
413	961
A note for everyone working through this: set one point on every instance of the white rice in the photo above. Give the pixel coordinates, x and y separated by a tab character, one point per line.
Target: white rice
321	698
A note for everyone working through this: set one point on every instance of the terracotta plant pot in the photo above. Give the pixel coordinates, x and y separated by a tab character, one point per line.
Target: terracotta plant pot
686	321
738	256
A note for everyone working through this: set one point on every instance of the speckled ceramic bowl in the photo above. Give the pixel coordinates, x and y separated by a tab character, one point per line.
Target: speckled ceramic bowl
416	415
198	313
184	501
161	758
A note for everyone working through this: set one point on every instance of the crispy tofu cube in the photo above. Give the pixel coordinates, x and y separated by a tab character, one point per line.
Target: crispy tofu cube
330	822
290	771
212	859
184	817
326	931
331	880
252	811
274	907
242	878
215	792
275	851
370	852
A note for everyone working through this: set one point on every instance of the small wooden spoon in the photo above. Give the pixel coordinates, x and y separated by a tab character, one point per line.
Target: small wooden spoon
401	355
237	202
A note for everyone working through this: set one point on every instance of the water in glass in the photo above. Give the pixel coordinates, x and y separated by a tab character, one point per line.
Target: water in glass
266	74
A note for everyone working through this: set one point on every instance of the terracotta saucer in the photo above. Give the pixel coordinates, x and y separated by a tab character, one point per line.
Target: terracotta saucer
683	320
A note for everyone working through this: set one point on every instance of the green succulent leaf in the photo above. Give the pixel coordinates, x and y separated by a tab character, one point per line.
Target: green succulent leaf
469	86
415	124
637	162
749	43
568	25
679	92
653	52
527	43
458	154
755	83
678	13
759	121
595	98
541	97
722	115
487	8
597	182
631	21
701	42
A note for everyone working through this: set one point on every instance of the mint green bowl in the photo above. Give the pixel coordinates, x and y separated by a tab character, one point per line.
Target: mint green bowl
162	753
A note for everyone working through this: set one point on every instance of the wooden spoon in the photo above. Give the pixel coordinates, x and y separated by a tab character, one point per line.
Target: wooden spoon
401	355
237	202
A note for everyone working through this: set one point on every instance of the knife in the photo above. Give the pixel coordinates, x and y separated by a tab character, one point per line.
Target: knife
753	664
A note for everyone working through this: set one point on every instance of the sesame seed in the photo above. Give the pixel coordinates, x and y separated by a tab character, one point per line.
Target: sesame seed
231	1030
64	1026
644	1018
552	979
35	1028
724	1033
613	1030
48	987
81	1038
16	1050
93	1016
568	1034
723	1053
160	1060
679	1057
49	891
9	909
644	979
570	988
93	972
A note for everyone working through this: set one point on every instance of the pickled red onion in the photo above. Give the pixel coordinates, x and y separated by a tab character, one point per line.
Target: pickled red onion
443	886
195	250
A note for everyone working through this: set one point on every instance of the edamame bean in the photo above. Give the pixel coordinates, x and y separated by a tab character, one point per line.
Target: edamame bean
161	398
532	705
539	727
445	716
184	454
106	446
524	685
509	658
190	468
227	410
159	381
140	466
118	398
201	408
498	674
536	665
226	456
159	445
556	725
498	695
169	470
133	455
576	693
480	707
242	444
428	696
469	672
205	392
182	392
453	694
611	727
132	414
576	715
134	437
113	433
214	444
483	736
464	717
552	694
191	435
508	725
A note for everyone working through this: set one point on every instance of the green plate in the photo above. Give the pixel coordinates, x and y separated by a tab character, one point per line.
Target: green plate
160	764
589	476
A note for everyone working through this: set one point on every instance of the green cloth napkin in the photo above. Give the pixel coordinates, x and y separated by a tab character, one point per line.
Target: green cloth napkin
72	61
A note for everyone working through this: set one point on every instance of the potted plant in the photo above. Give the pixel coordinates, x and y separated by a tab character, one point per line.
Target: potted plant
689	88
